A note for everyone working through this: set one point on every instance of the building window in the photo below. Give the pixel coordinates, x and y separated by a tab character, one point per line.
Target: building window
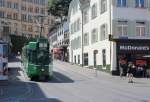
140	28
94	36
104	32
16	28
122	28
79	42
75	26
121	3
15	5
86	62
36	10
2	14
75	9
78	25
104	57
24	17
15	16
30	19
94	11
2	3
8	4
139	3
42	11
85	17
24	27
9	16
86	39
76	43
30	9
103	6
30	29
23	8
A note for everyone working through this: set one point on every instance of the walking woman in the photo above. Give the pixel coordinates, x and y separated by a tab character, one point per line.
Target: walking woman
131	70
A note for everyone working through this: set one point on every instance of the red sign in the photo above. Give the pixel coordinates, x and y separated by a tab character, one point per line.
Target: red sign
56	50
141	62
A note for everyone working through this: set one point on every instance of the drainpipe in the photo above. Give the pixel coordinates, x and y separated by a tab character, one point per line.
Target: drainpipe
110	30
82	45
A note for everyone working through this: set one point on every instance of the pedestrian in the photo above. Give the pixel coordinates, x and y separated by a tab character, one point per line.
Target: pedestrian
122	66
131	70
139	71
121	70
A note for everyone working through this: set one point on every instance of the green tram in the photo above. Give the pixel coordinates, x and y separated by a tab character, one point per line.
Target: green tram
37	59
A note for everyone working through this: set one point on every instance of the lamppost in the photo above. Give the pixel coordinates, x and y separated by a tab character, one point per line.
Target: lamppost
41	24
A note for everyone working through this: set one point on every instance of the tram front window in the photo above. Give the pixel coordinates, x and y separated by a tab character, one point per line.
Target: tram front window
43	57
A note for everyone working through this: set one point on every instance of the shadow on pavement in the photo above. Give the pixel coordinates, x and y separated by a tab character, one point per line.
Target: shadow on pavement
60	78
14	73
18	91
13	59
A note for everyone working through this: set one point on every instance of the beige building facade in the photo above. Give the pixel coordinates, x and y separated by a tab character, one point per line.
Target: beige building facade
23	17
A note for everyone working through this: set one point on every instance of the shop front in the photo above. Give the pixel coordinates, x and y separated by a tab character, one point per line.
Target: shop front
135	51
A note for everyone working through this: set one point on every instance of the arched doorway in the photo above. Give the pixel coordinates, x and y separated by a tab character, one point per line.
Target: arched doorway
95	52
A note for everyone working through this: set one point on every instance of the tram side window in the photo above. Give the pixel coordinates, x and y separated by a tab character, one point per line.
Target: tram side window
32	57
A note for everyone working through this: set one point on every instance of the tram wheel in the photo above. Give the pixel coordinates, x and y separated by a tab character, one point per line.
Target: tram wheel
34	78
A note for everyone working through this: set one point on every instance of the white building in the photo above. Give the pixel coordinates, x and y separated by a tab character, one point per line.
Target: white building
59	39
109	30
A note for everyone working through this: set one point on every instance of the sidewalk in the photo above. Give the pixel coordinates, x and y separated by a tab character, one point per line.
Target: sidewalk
101	75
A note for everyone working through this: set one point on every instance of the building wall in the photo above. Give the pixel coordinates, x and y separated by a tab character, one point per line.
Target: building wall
73	17
111	17
22	26
59	35
87	28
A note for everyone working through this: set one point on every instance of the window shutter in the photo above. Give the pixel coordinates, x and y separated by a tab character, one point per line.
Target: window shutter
114	3
131	3
131	28
114	27
106	25
147	23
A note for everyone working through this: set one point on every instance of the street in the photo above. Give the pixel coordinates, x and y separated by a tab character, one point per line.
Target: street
72	83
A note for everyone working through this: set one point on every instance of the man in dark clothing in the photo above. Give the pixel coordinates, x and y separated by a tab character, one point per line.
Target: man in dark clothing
131	71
